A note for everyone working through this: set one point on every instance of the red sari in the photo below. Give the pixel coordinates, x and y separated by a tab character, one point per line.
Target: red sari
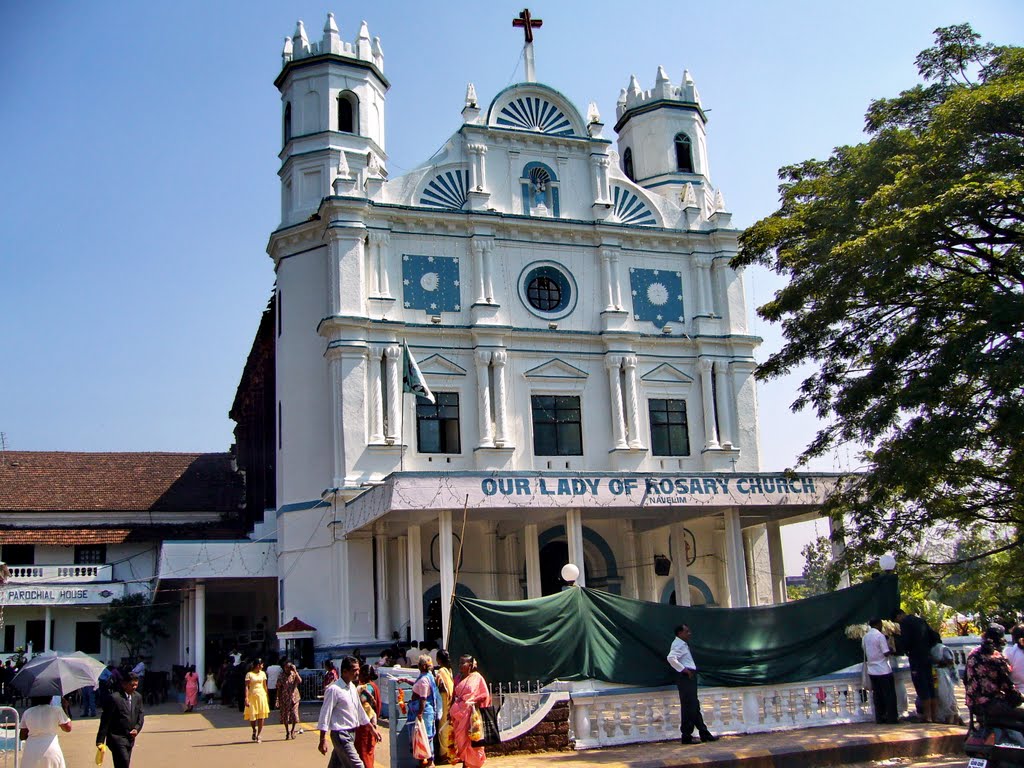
470	691
366	737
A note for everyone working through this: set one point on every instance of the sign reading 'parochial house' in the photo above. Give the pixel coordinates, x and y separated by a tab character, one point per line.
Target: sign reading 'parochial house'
62	594
586	491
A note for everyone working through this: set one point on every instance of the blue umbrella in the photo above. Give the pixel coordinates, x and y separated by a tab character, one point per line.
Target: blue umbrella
57	674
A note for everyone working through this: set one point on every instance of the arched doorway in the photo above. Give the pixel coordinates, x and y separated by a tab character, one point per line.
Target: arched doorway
553	556
598	561
700	593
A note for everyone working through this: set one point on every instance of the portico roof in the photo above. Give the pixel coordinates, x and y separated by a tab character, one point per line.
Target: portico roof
651	500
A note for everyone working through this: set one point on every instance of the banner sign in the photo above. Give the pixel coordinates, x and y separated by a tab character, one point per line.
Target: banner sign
422	491
60	594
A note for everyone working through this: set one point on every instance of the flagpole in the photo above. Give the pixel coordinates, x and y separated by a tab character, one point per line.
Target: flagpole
458	562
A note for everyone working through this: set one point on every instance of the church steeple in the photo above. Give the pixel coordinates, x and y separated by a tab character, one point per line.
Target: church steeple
333	96
662	135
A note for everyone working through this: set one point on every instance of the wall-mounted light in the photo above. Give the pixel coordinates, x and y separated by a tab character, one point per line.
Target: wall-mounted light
667	329
435	319
887	563
570	573
552	326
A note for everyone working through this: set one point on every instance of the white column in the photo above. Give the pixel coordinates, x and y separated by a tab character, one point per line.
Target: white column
736	564
490	531
376	399
632	402
616	281
477	170
479	257
614	365
190	638
447	565
415	572
679	567
776	563
200	650
532	551
701	264
838	543
649	585
631	588
379	242
706	392
47	634
337	376
498	358
574	535
513	591
483	396
725	409
380	543
606	271
393	354
182	658
402	598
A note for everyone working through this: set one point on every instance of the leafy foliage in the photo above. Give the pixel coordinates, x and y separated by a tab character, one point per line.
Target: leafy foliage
135	622
906	294
820	576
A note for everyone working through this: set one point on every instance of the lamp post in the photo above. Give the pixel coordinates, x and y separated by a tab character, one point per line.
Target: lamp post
570	573
887	563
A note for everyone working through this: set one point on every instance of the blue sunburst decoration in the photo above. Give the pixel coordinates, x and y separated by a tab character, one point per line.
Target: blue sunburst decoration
535	114
431	283
628	208
447	190
657	295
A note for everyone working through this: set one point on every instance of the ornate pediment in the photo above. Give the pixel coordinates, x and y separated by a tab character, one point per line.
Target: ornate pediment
438	365
666	374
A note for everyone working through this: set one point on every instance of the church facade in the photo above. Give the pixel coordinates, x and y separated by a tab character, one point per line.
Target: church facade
569	300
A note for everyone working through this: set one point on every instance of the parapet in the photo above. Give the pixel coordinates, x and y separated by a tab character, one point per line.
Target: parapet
632	97
299	47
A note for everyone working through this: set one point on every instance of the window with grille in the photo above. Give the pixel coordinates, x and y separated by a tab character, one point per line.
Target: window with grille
557	425
437	423
669	432
90	554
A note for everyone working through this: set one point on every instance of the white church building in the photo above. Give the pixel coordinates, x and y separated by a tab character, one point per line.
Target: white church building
566	290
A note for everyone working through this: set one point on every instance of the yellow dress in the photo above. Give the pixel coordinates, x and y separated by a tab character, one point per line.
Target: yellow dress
256	705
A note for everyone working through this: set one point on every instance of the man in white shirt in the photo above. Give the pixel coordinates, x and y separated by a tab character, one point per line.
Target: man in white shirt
1014	654
883	682
681	660
274	671
340	715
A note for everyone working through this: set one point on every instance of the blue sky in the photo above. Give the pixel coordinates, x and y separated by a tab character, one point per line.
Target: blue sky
139	178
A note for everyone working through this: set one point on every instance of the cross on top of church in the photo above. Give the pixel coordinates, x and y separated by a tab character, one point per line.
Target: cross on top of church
528	23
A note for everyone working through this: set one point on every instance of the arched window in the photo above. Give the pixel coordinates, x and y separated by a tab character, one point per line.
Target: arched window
627	164
540	190
684	155
287	122
348	112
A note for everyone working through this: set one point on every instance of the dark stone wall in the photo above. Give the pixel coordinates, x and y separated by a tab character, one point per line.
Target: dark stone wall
550	735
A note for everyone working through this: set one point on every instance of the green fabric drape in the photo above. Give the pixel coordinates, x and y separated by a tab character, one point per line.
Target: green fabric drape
581	634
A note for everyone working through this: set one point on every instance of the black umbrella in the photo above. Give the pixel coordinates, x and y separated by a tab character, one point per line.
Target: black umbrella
57	674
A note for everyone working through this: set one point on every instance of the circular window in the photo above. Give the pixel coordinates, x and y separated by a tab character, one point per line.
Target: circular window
547	290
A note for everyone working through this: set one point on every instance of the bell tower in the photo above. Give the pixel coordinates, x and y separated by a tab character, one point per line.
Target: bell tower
662	140
333	95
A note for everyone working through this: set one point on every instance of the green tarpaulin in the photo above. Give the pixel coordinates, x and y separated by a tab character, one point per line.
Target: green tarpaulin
582	634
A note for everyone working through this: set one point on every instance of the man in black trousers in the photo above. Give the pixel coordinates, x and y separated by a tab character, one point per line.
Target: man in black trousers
121	721
681	660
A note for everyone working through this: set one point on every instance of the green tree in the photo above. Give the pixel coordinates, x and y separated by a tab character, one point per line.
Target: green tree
818	571
135	622
906	295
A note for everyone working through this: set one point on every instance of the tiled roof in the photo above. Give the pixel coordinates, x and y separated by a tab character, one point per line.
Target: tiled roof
67	537
48	481
296	625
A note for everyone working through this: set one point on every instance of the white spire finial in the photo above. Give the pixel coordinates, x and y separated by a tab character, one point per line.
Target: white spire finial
372	165
471	100
331	25
331	40
286	52
593	116
661	77
634	85
689	197
299	38
622	96
343	169
364	48
719	201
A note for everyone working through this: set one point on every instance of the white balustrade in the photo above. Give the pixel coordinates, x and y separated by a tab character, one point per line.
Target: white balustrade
60	574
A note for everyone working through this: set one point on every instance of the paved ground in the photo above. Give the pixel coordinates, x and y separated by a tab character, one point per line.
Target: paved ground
218	738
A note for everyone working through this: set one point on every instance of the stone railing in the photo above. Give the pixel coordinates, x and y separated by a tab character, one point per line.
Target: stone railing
60	574
630	715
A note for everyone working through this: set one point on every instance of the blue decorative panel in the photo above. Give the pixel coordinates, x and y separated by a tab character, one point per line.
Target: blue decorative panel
657	295
628	208
431	283
532	113
447	190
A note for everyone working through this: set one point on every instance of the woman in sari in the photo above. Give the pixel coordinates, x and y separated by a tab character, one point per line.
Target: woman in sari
332	674
191	689
445	684
288	697
369	697
470	692
426	701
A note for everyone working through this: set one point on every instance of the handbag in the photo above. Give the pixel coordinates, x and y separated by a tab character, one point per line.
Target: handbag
491	735
420	740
